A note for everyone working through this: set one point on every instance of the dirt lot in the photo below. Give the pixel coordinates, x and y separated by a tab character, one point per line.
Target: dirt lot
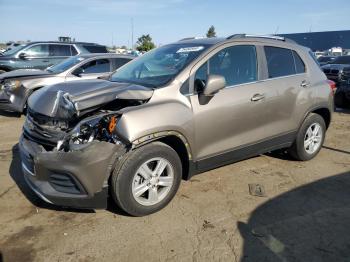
305	215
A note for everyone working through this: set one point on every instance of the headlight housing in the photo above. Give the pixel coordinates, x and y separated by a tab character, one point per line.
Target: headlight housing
11	85
101	127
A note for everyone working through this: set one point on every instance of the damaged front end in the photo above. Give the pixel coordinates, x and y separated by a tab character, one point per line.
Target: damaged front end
74	171
68	154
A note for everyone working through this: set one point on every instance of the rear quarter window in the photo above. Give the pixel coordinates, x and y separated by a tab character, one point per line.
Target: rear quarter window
299	63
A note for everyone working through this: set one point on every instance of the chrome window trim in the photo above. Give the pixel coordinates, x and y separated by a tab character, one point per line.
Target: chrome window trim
254	82
40	57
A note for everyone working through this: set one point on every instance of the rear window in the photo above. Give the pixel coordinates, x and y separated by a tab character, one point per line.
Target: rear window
96	48
280	61
314	58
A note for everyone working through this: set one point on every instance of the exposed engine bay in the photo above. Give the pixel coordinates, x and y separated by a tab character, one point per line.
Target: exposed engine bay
66	122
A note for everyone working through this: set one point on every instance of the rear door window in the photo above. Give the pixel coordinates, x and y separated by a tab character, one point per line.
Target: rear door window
280	61
97	66
59	50
118	62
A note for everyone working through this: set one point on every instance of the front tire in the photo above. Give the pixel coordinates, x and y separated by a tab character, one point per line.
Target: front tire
309	139
147	179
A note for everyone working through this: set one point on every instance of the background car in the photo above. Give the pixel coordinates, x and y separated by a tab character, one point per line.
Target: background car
16	86
342	94
335	69
40	55
324	60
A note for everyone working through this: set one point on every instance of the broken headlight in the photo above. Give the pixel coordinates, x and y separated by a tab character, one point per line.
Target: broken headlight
100	128
10	85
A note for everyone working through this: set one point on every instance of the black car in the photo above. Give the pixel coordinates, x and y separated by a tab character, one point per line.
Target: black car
335	69
40	55
324	60
342	94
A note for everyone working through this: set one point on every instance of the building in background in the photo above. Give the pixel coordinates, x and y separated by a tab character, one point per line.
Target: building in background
322	41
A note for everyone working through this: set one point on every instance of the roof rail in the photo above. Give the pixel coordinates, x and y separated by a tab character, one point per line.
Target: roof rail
274	37
190	38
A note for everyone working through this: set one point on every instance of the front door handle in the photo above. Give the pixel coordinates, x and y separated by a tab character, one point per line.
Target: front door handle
257	97
305	84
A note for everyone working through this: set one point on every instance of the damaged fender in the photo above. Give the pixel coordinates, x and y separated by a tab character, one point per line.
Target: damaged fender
89	167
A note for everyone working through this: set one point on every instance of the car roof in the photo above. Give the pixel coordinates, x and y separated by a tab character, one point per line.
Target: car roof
58	42
274	40
109	55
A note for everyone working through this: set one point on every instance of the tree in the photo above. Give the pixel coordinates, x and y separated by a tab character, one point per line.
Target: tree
211	32
144	43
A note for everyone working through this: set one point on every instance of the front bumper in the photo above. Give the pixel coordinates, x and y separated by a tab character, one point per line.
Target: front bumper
76	179
13	102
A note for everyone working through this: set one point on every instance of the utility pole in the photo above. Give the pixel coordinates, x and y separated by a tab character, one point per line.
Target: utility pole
132	33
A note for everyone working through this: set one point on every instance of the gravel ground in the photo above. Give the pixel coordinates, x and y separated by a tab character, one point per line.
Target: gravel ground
304	215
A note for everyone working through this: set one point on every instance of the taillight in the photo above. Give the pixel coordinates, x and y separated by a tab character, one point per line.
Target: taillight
332	85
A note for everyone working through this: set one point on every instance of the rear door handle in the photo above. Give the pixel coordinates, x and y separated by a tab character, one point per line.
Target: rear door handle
305	84
257	97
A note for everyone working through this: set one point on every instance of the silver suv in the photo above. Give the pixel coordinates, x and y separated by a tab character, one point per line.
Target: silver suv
16	86
179	110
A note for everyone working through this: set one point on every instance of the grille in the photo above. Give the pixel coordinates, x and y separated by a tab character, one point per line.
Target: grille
65	183
326	71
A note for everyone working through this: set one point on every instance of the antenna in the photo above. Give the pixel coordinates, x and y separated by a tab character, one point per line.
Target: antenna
276	31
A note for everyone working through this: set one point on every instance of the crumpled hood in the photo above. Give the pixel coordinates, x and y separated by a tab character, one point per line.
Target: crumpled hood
83	95
24	73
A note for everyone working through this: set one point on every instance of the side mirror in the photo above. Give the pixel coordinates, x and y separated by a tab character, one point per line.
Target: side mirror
214	84
105	77
22	56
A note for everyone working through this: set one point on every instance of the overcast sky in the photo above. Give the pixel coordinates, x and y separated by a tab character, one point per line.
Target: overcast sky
104	21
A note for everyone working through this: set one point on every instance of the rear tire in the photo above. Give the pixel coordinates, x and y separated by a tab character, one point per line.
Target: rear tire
309	139
138	187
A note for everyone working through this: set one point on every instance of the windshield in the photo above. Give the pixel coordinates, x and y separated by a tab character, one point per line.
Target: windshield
341	60
13	50
159	66
65	65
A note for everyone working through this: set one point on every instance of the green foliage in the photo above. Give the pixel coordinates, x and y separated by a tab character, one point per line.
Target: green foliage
144	43
211	32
